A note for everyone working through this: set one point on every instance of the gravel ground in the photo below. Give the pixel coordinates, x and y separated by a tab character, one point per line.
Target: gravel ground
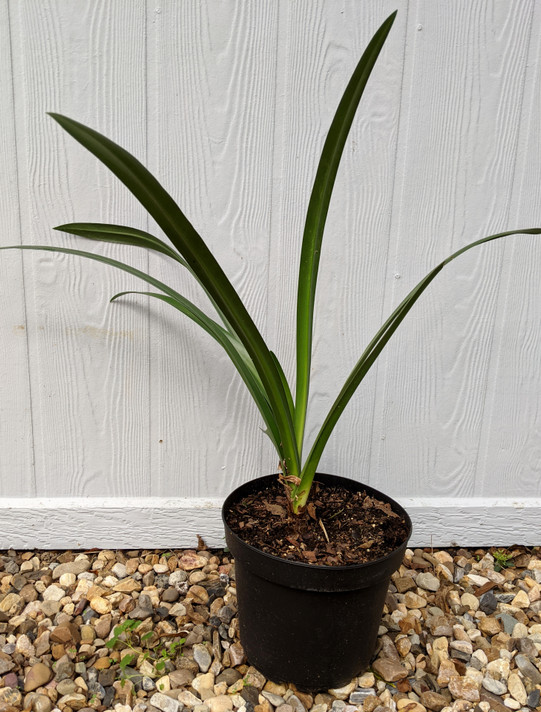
157	631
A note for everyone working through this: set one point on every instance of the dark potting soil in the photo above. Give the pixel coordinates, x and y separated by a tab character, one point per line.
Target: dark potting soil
338	527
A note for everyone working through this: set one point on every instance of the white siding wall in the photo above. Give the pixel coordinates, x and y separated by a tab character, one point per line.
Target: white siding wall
122	425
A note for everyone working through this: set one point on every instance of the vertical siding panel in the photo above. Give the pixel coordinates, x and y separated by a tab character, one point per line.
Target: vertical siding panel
465	76
511	445
211	115
322	45
88	359
16	446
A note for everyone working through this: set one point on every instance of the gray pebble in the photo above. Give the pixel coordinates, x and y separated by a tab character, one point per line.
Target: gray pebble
177	577
96	689
119	570
170	595
494	686
508	622
64	669
358	696
107	677
143	609
488	603
165	703
202	657
534	699
528	669
427	581
275	700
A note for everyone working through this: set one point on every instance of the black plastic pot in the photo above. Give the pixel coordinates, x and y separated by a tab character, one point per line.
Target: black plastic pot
315	626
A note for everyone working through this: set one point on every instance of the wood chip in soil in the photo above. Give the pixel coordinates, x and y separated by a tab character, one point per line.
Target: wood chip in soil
338	527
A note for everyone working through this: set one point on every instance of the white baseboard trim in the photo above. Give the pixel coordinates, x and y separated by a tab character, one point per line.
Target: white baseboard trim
162	523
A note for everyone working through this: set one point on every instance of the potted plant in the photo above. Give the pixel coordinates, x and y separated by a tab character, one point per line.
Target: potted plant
314	553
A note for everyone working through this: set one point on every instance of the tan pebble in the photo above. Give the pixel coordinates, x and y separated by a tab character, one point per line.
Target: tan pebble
81	683
188	699
433	701
443	572
132	565
236	654
41	703
205	680
127	585
407	705
67	579
190	560
370	703
521	600
459	633
366	680
196	577
534	564
220	688
161	568
462	706
275	688
389	670
163	684
475	675
342	693
101	605
443	557
264	705
413	600
441	647
12	604
198	594
463	646
103	663
519	631
489	625
516	688
24	646
498	669
470	601
446	671
146	668
403	645
95	591
254	677
464	688
38	675
10	696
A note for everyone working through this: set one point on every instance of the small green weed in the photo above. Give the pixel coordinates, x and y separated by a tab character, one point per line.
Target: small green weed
502	560
126	635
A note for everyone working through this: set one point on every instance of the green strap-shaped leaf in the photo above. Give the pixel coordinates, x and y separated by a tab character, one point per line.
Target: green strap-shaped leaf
317	215
230	343
370	355
120	234
202	263
240	359
284	382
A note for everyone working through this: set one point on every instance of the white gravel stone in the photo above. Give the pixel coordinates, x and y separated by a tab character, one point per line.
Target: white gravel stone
427	581
165	703
53	593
